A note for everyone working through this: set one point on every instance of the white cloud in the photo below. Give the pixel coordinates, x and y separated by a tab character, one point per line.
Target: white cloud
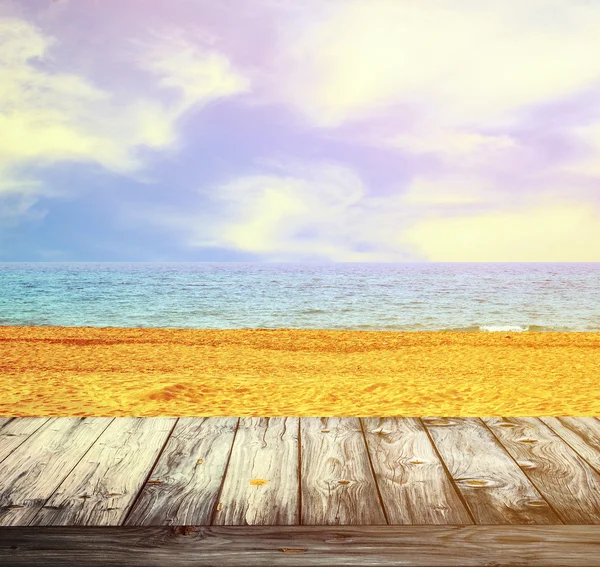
447	61
471	148
449	189
199	75
318	211
324	211
50	116
543	233
589	163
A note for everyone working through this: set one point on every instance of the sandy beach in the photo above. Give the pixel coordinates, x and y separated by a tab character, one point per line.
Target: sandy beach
147	372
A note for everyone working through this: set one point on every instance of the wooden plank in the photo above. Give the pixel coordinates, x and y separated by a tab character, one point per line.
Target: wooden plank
338	487
565	480
101	488
4	421
294	546
261	482
185	482
17	431
33	471
414	486
492	484
581	433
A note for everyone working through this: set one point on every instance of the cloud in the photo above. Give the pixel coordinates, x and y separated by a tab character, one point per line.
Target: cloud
324	211
452	145
587	164
545	233
295	212
446	61
51	115
455	87
18	195
450	190
199	75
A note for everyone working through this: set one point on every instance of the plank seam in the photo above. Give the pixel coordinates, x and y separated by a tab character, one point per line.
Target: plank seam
9	420
72	469
594	467
43	424
150	471
213	515
300	471
522	470
448	474
385	514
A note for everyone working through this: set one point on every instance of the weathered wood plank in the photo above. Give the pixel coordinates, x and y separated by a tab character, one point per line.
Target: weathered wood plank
261	482
414	486
582	433
338	487
17	431
33	471
101	488
492	484
185	482
4	421
294	546
565	480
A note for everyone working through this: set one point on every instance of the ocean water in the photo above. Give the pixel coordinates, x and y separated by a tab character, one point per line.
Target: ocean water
410	297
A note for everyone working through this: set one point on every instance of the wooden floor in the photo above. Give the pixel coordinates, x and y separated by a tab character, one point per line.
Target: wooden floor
300	491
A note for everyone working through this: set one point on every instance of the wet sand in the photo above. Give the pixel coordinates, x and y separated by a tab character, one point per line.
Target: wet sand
147	372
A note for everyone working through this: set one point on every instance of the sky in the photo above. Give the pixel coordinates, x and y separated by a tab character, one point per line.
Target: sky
300	130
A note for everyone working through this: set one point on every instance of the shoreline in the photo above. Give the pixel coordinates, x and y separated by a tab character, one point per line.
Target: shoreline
112	371
471	329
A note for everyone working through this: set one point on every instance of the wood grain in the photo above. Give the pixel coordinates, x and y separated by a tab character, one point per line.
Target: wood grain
4	421
17	431
581	433
414	486
294	546
33	471
564	479
103	485
494	487
338	486
261	482
185	482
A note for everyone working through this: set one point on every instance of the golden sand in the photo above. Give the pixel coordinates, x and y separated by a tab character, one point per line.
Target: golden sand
145	372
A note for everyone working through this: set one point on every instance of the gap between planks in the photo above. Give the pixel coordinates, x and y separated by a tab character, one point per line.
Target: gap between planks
356	450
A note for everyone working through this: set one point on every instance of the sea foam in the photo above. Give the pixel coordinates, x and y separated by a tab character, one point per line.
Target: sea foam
503	328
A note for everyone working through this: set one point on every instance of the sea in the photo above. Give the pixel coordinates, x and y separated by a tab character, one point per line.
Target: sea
481	297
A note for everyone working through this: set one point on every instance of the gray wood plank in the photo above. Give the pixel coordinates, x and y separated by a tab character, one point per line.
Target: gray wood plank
295	546
261	483
4	421
33	471
565	480
581	433
17	431
492	484
185	483
338	487
103	485
414	486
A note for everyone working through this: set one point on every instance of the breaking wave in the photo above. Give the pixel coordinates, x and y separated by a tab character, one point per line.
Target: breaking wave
503	328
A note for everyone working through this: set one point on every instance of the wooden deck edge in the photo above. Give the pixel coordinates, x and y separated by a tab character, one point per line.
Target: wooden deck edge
417	546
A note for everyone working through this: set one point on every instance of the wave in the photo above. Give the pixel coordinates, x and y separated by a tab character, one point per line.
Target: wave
521	329
503	328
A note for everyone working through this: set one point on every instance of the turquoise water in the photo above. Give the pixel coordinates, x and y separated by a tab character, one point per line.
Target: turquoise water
412	297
